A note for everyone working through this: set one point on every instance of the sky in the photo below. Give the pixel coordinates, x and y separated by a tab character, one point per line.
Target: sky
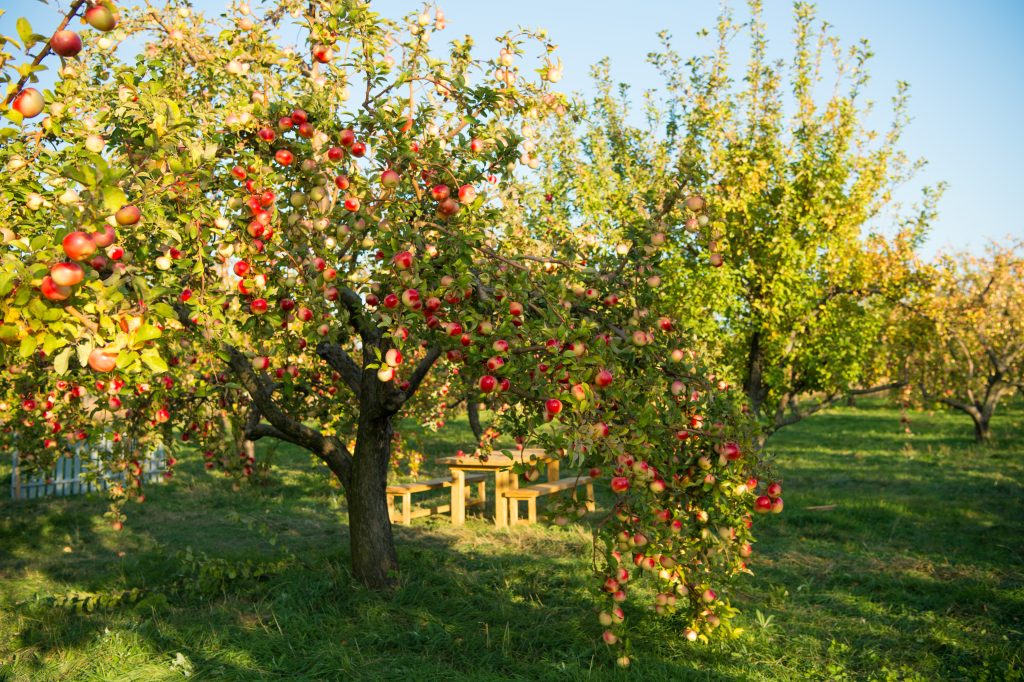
964	62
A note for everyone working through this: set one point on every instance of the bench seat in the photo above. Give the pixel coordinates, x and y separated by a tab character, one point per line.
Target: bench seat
531	493
406	490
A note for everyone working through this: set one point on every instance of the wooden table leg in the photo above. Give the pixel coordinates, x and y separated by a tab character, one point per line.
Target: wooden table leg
500	501
458	497
552	470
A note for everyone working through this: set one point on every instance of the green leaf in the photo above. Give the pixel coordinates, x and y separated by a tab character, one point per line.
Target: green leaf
24	31
146	332
151	356
60	362
114	198
28	346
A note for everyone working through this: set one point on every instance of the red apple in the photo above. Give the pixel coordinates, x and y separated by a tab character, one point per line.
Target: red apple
347	137
620	484
358	149
390	178
28	103
603	378
284	157
100	18
403	260
258	306
774	490
53	291
553	405
102	360
66	274
78	245
487	383
66	43
763	504
104	237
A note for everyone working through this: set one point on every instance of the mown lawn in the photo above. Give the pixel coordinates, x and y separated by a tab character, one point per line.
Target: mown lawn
916	573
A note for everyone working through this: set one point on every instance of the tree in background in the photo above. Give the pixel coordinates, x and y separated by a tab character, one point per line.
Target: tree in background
963	343
227	234
801	293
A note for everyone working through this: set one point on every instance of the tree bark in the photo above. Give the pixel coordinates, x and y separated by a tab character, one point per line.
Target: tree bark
753	381
374	559
473	411
982	432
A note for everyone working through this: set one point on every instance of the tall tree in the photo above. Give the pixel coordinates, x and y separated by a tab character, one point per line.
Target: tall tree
222	235
963	343
803	287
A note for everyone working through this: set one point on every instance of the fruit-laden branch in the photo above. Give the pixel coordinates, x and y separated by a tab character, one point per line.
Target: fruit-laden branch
395	401
341	362
43	52
285	428
331	450
796	413
354	304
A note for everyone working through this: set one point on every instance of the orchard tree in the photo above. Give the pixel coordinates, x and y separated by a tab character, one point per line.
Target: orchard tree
964	341
225	238
799	292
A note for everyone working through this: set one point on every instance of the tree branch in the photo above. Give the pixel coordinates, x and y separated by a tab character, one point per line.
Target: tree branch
340	361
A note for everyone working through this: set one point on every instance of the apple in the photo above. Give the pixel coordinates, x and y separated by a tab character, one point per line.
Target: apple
604	378
284	157
53	291
763	504
695	203
258	306
777	505
515	309
390	178
358	149
66	274
351	203
104	237
79	245
403	260
448	207
391	301
476	145
393	357
66	43
102	360
411	299
347	137
553	405
609	637
732	451
709	596
620	484
323	53
487	383
100	18
242	269
28	103
774	490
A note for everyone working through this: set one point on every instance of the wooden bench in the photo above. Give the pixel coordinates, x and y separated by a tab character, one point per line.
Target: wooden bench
406	490
531	493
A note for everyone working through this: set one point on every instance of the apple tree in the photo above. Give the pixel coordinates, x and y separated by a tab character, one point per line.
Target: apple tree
803	277
226	238
963	341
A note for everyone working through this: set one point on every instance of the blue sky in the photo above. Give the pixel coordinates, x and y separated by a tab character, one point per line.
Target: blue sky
963	60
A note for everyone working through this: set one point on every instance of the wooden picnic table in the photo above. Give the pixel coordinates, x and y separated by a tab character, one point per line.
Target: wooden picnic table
501	464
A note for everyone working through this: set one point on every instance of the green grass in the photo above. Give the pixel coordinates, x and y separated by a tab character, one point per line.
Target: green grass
917	573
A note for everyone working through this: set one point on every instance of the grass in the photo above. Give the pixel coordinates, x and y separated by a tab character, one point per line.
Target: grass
917	573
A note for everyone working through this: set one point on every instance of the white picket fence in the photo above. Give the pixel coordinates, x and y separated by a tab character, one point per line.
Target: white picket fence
66	476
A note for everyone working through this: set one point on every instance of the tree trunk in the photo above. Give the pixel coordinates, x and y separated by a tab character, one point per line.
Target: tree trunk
753	381
473	411
374	559
982	432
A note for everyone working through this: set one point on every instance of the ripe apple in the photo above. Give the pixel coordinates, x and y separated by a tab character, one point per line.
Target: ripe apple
66	274
774	490
732	451
777	505
100	18
241	268
391	301
53	291
393	357
411	299
28	103
553	405
403	260
258	306
763	504
390	178
358	149
604	378
104	237
515	309
448	207
102	360
323	53
347	137
487	383
695	203
78	245
620	484
66	43
284	157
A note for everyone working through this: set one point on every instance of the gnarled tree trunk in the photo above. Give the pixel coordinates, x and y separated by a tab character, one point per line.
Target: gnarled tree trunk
374	559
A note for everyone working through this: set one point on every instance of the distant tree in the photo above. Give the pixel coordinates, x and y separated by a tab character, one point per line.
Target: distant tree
964	342
804	291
